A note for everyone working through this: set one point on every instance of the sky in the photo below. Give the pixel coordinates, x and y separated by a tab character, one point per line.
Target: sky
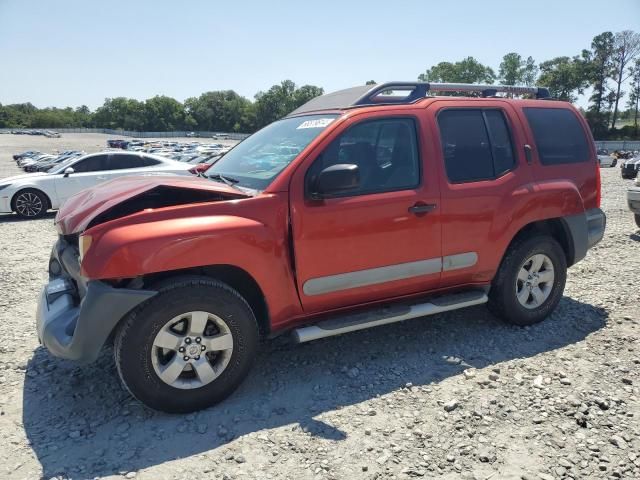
78	52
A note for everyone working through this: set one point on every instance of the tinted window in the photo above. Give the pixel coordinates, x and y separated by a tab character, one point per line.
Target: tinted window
503	158
385	151
465	144
119	161
476	144
558	134
91	164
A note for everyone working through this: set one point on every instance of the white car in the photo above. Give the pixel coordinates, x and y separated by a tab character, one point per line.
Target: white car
606	160
31	195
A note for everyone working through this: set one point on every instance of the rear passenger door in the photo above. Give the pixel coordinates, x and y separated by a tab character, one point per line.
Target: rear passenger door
482	167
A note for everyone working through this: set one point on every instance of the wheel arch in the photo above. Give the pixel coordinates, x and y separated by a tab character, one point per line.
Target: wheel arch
557	228
236	277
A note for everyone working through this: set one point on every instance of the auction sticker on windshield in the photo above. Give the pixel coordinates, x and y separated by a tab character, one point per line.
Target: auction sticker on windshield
317	123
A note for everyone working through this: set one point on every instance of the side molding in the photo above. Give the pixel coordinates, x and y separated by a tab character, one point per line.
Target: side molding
390	273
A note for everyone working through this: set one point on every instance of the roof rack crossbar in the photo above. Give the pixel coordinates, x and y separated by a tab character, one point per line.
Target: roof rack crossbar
417	90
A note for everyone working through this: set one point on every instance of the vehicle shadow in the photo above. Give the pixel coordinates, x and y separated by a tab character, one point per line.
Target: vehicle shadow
12	217
635	236
80	422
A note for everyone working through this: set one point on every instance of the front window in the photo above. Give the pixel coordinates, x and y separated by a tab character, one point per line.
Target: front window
257	161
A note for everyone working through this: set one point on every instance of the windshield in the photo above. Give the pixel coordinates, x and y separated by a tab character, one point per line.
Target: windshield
256	161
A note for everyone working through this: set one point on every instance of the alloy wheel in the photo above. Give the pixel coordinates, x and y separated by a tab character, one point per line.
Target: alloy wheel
192	350
29	204
535	281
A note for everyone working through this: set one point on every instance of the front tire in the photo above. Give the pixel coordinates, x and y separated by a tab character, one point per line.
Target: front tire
637	218
530	281
30	203
188	347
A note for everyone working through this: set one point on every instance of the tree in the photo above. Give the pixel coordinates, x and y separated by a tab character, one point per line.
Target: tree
218	111
280	100
626	47
602	67
468	70
511	71
370	82
162	114
530	72
634	95
564	76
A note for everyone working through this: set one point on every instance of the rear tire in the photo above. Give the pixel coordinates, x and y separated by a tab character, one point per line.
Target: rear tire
530	281
637	218
157	352
30	203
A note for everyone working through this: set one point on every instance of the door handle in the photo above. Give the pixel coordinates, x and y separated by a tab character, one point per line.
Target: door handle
422	208
101	177
527	153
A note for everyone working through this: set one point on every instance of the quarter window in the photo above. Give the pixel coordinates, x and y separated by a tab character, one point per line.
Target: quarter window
385	151
476	144
558	135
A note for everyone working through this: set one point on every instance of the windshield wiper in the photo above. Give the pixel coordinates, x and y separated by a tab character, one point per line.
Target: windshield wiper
223	178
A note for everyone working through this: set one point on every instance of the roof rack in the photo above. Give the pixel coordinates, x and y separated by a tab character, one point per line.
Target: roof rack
375	95
419	90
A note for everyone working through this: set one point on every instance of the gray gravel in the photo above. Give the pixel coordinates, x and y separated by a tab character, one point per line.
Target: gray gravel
459	395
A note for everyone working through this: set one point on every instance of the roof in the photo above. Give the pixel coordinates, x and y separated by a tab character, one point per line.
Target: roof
395	93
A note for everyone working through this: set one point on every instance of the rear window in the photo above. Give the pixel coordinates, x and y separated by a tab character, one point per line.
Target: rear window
558	134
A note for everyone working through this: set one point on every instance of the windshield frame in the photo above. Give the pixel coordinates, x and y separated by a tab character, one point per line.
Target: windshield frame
258	184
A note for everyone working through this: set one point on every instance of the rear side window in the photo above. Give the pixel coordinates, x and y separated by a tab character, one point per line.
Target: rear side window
558	134
476	144
96	163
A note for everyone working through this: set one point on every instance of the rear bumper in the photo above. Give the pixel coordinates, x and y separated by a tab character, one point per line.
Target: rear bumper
629	171
75	316
633	199
586	230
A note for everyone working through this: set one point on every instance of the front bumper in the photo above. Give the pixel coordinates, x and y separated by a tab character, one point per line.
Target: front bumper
75	317
633	199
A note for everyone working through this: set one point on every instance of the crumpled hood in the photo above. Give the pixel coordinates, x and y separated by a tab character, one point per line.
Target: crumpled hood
79	210
17	178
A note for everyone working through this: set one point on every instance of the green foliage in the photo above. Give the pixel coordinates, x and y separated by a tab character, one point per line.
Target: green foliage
281	99
511	70
468	70
219	111
564	77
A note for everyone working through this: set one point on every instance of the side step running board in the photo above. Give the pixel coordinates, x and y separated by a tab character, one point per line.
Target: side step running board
388	314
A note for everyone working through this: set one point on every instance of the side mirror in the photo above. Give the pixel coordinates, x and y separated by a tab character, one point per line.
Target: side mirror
68	171
336	179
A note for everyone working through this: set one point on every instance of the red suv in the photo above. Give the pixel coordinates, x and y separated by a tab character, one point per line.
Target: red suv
366	206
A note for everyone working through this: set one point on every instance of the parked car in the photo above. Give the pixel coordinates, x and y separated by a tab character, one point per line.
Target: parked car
28	153
606	160
633	200
31	195
365	220
117	143
630	167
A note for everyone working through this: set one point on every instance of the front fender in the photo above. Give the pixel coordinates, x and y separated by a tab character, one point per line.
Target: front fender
173	244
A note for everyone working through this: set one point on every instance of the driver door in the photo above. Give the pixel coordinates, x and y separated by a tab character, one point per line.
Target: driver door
86	173
371	243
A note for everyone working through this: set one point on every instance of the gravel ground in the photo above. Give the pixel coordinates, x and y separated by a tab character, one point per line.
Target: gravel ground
458	395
